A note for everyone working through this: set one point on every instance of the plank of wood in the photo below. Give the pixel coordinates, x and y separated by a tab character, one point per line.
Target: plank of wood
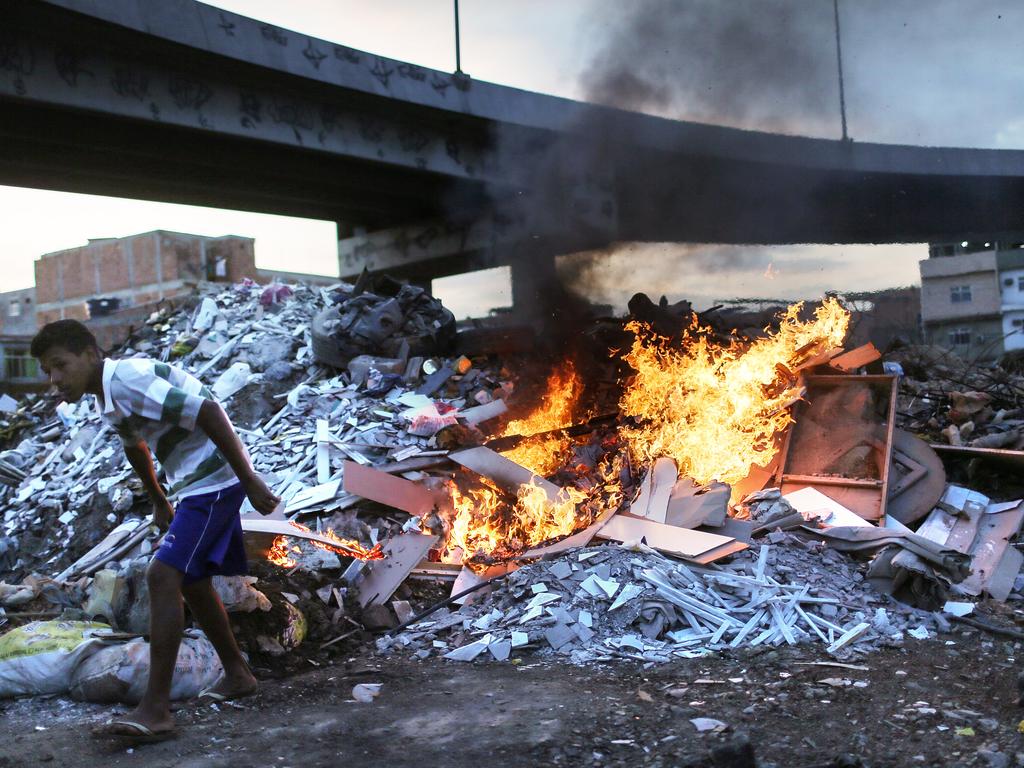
387	489
849	636
655	491
683	542
285	528
855	358
402	553
995	455
505	472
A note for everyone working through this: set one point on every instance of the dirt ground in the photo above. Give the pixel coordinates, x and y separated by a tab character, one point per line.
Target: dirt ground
944	702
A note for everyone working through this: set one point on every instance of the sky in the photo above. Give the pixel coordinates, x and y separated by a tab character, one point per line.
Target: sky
940	72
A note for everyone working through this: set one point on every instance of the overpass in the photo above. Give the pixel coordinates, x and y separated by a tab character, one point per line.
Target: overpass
429	173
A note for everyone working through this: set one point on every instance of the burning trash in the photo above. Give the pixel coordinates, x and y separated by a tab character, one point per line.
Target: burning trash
694	490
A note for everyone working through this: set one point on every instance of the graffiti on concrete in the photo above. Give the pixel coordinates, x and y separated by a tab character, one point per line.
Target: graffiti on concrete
412	139
330	120
314	55
68	61
371	129
18	58
129	83
412	72
274	35
292	113
439	84
382	71
342	53
250	108
227	25
190	95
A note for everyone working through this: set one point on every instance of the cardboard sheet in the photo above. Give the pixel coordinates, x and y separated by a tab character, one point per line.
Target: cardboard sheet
387	489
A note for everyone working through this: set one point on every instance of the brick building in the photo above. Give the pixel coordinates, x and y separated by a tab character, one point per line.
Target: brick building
115	273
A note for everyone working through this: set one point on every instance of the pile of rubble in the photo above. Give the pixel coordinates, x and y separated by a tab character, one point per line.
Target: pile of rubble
364	418
603	603
960	403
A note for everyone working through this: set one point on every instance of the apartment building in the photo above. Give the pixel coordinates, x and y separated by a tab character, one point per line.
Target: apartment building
18	369
972	296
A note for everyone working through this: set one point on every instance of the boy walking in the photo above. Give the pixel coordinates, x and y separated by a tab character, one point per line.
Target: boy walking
157	408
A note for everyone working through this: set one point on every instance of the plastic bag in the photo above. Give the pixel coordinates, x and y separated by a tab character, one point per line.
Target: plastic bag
40	657
119	673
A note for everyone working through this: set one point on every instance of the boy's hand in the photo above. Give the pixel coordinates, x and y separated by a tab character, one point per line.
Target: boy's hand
163	513
260	496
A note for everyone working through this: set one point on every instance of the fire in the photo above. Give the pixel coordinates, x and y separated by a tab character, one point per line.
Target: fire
716	410
485	523
544	454
281	551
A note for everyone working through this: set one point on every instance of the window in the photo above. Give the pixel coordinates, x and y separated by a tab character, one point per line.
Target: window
14	309
19	364
1020	283
960	337
1008	282
960	294
1018	322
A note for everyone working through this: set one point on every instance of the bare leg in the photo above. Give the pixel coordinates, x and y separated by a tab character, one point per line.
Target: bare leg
166	619
205	604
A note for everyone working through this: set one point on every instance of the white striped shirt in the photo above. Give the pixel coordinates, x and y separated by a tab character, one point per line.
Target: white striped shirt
158	403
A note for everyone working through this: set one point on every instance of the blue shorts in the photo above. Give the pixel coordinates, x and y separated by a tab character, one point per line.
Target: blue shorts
205	537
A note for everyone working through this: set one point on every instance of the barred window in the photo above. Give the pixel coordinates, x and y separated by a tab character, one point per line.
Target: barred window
960	337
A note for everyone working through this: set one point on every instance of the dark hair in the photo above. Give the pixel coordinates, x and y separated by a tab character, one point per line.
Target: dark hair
69	334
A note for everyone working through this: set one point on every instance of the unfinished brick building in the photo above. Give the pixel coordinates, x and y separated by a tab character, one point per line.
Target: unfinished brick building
135	270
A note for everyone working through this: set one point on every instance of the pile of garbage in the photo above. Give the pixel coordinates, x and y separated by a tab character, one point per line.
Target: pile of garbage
382	317
360	413
610	602
960	403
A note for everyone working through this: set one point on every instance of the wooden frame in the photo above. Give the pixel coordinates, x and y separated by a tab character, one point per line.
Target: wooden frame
864	496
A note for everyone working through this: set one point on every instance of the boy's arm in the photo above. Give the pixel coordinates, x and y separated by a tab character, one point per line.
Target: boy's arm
139	457
215	424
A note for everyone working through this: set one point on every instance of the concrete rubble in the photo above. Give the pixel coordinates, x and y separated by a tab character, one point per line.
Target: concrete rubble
614	602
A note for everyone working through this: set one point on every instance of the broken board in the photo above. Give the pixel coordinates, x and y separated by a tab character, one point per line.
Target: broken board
681	542
402	554
387	489
273	527
502	471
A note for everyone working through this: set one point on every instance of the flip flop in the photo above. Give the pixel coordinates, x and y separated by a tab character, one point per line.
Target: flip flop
131	731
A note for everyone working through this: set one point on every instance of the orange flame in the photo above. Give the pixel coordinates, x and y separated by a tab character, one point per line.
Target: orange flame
716	410
281	551
484	523
544	454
